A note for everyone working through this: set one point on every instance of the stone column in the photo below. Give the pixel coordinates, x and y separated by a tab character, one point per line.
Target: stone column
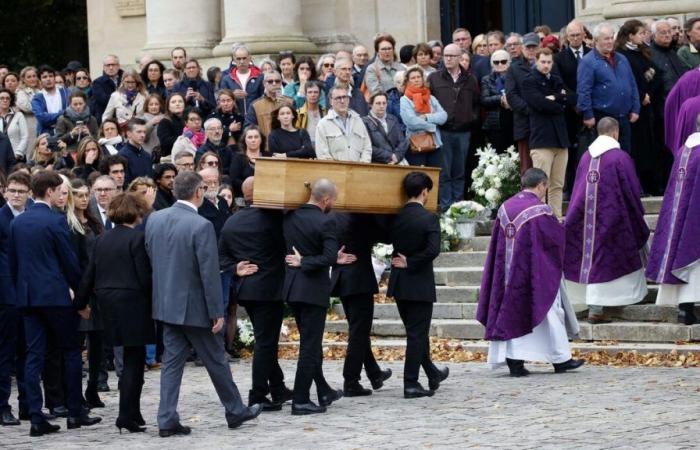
194	25
265	26
617	9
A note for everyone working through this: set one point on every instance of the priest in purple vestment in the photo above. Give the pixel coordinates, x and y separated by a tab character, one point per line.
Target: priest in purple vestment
674	260
527	317
606	235
685	122
687	87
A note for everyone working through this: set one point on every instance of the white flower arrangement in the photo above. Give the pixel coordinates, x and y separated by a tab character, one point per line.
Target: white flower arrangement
383	252
467	210
245	332
448	233
496	177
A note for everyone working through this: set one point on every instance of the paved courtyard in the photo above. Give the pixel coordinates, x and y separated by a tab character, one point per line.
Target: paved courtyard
596	407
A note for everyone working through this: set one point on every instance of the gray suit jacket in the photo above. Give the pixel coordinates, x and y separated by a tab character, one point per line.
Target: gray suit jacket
185	259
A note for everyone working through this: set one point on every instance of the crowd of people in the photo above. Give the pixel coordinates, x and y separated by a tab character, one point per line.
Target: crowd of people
128	225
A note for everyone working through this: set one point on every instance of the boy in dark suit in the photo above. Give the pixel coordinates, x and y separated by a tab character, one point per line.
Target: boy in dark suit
416	239
46	272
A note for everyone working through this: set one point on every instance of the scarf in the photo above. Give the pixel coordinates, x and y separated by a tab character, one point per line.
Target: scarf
130	96
74	116
197	137
500	83
420	98
109	144
631	46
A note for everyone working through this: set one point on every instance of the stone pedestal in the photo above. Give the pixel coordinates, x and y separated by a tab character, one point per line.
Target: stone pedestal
618	11
264	26
194	25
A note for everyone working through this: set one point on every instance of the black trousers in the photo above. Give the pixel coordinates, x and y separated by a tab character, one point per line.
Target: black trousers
131	382
266	317
95	360
52	376
416	317
12	357
311	321
359	311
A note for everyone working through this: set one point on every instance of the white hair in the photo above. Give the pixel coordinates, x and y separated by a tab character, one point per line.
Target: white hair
238	46
655	25
499	54
600	27
210	122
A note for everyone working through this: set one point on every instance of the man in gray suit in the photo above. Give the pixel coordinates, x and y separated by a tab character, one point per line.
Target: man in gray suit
187	298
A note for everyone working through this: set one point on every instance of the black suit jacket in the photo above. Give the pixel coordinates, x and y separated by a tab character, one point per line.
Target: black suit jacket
216	215
313	234
566	66
356	233
416	235
164	199
255	235
547	122
517	72
7	287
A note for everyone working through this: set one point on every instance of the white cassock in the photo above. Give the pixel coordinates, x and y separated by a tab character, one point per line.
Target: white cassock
548	342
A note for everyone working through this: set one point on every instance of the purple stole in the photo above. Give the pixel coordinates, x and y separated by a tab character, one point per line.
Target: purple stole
511	228
680	181
589	222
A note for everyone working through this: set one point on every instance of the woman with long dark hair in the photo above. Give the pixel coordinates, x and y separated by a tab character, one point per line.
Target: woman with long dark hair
243	163
152	76
645	151
171	126
119	275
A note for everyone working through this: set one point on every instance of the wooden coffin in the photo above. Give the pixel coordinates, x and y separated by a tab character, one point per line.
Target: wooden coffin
363	188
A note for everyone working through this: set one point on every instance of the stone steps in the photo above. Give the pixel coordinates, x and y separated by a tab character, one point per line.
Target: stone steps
471	329
483	346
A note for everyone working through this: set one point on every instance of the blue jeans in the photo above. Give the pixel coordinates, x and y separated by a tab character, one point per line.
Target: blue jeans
455	146
151	354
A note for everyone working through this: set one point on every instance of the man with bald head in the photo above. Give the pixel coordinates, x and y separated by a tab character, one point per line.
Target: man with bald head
251	248
312	248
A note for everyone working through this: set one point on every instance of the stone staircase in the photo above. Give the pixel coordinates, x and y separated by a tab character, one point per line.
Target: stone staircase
458	278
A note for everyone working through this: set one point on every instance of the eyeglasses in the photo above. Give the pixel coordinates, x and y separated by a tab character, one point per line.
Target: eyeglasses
82	78
327	65
500	62
5	97
190	165
17	191
104	190
273	81
341	98
447	55
514	44
211	163
214	129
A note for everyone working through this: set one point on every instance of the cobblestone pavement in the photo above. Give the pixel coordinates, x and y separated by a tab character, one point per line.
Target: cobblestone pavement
595	407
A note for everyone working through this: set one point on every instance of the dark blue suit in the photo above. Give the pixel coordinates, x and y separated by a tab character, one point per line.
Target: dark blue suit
44	266
11	329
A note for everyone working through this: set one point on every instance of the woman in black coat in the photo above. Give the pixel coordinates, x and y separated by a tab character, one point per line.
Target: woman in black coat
243	163
287	141
645	152
170	128
119	275
498	118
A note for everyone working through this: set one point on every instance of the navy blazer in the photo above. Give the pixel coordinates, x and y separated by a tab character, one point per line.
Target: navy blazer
42	258
7	287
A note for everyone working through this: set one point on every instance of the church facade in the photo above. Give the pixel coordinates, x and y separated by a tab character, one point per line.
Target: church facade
208	28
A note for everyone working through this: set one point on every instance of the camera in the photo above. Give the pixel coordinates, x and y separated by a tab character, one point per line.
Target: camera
53	144
192	84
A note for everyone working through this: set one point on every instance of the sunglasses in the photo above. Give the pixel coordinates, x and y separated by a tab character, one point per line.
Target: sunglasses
273	81
211	163
82	78
500	62
327	64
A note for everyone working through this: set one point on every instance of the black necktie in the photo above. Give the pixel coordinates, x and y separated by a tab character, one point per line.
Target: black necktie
108	224
578	54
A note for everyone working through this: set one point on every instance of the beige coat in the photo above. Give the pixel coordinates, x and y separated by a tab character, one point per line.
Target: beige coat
117	107
333	143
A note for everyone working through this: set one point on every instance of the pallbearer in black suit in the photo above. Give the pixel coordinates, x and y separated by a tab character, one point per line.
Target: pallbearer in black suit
312	248
415	236
11	329
251	247
353	280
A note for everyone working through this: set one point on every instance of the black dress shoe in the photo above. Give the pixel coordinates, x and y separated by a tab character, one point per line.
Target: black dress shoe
59	411
102	386
40	429
416	392
569	365
254	398
378	382
252	412
282	395
48	416
178	430
130	425
302	409
82	421
517	368
92	400
330	397
8	419
442	374
356	390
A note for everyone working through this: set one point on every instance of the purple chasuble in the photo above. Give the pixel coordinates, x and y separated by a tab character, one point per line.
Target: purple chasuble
686	87
605	227
523	268
676	242
686	121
